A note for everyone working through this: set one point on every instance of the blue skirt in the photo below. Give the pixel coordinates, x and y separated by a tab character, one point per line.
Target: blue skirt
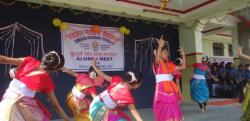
99	111
199	90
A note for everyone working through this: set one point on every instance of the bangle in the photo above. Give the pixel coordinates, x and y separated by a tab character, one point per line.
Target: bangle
99	73
241	55
184	63
157	55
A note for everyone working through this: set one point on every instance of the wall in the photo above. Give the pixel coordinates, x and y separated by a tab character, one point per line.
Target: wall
207	46
41	20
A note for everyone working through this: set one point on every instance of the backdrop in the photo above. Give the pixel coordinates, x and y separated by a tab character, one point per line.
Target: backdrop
41	21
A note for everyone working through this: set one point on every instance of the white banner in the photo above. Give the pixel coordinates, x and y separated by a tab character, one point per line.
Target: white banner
213	60
80	45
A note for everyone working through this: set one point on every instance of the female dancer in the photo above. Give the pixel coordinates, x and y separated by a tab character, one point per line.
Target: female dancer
198	86
18	103
177	75
246	103
166	103
104	106
78	104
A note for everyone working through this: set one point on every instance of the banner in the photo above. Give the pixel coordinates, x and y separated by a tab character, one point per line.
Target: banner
213	60
80	45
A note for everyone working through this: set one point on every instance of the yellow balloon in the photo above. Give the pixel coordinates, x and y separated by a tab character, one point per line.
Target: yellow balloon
57	22
63	26
123	29
127	32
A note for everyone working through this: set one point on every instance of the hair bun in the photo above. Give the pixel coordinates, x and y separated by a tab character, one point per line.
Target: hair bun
128	77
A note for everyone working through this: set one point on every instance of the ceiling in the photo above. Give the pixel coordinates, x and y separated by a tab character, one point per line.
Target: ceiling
187	7
188	11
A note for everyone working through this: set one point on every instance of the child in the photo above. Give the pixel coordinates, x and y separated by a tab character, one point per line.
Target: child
240	80
222	89
247	73
177	75
19	102
231	72
222	71
104	106
232	89
78	104
166	103
198	86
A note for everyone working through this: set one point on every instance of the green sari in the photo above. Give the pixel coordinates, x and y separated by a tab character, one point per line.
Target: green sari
246	104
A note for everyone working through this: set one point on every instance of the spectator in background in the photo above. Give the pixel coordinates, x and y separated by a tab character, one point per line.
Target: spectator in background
240	80
215	72
208	80
209	64
231	72
222	90
222	71
247	73
232	89
217	65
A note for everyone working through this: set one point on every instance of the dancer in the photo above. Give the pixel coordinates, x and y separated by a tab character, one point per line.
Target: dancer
177	75
19	102
246	91
166	106
104	106
198	86
78	104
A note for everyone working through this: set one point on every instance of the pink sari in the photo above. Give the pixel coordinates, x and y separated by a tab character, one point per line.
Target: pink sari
166	102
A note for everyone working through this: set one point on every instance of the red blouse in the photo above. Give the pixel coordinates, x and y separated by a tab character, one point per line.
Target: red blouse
120	93
41	81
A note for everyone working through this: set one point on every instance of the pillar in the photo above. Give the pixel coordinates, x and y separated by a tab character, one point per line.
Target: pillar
191	41
243	40
234	33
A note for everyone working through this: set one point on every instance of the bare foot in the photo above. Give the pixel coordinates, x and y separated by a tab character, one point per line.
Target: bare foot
205	108
202	110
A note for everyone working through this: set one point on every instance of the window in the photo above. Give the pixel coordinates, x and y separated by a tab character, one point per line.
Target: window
230	50
218	49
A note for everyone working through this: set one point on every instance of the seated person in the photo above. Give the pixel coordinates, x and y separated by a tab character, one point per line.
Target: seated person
222	90
232	89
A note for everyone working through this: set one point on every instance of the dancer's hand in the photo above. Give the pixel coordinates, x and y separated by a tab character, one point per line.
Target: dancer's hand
239	50
94	62
181	50
161	42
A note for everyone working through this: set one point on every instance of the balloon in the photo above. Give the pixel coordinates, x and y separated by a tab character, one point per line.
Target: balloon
57	22
127	32
96	28
123	29
63	26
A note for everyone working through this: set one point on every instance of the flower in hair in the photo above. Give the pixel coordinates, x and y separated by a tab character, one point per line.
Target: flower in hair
133	77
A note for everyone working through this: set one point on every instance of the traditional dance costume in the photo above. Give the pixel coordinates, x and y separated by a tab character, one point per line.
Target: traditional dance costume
19	102
177	75
198	86
246	104
104	106
166	103
78	104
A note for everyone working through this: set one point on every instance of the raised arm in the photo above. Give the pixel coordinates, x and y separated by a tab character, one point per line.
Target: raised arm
72	73
12	61
100	73
134	112
158	53
52	98
183	65
239	52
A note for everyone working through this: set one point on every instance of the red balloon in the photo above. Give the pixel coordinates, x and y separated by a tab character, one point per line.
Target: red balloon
96	28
